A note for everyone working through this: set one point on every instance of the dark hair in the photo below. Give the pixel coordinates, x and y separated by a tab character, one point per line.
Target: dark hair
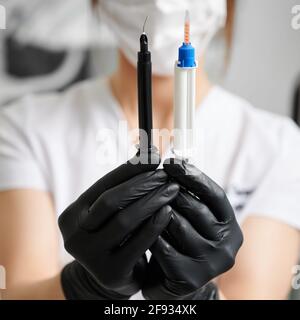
228	31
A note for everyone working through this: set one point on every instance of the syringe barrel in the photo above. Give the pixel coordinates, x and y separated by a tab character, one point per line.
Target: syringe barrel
184	111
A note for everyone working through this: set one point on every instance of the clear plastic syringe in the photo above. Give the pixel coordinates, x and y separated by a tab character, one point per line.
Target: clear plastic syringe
185	97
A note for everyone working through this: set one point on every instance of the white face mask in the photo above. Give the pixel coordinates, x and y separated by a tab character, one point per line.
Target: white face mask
164	26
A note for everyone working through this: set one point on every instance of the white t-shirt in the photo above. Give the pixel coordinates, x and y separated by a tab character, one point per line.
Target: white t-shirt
55	143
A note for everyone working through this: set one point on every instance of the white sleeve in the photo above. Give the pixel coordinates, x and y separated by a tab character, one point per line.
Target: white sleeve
278	194
19	167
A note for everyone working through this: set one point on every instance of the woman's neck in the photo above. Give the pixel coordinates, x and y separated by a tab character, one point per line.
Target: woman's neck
124	87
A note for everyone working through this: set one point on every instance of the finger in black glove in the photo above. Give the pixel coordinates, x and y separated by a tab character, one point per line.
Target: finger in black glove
201	240
109	228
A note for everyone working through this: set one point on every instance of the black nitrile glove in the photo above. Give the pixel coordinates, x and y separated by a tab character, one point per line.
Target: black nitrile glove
200	242
110	227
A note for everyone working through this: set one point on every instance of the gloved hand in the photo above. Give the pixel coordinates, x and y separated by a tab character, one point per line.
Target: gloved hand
200	242
110	227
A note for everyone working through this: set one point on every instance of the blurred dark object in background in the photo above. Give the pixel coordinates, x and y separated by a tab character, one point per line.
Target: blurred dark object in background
45	48
27	61
296	105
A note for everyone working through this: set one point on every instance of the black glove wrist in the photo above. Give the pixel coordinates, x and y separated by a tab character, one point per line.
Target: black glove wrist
78	284
207	292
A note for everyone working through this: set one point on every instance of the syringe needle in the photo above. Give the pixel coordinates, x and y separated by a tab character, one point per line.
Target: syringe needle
144	25
187	28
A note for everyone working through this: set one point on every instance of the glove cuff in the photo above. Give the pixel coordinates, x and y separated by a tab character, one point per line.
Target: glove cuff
208	292
78	284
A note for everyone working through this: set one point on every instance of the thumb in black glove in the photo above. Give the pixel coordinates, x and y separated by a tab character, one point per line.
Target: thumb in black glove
109	228
200	242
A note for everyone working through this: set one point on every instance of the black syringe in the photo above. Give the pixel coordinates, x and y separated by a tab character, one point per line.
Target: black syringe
144	76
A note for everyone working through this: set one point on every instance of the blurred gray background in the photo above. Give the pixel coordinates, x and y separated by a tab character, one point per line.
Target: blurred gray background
265	61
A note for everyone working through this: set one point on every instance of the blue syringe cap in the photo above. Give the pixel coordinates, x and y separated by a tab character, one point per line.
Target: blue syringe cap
187	57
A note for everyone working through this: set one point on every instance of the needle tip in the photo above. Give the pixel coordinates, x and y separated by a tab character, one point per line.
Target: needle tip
187	16
144	26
